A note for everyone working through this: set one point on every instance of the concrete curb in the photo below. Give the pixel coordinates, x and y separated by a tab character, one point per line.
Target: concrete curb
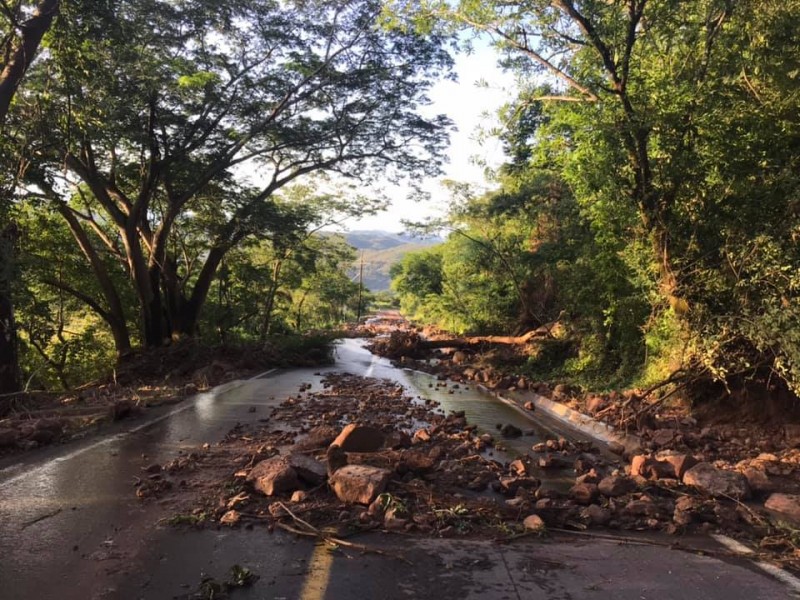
570	417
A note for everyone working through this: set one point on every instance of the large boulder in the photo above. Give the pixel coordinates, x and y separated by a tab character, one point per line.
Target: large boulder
616	485
359	484
785	507
308	469
360	438
716	482
273	476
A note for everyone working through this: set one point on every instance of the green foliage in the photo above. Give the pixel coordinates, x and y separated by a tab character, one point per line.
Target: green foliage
673	128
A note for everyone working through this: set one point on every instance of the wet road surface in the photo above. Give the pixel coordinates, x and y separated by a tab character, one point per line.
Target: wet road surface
72	528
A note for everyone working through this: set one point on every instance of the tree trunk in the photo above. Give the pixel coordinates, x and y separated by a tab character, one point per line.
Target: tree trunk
19	52
22	51
187	312
9	360
273	290
9	363
116	316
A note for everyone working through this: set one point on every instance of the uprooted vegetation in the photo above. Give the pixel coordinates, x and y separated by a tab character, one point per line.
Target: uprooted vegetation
360	455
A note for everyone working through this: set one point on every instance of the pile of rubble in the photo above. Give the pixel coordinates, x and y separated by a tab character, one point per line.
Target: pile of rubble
362	455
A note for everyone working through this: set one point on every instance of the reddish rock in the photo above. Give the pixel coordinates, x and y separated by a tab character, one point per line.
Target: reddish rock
308	469
529	405
583	493
786	507
518	467
231	518
273	476
360	438
680	463
758	480
299	496
359	484
534	523
639	465
650	468
616	485
716	482
421	435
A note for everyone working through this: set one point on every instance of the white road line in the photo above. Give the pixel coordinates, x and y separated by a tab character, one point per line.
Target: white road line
371	367
190	402
792	582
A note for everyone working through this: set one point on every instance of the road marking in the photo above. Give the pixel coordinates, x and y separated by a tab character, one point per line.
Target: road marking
190	403
371	367
792	582
319	573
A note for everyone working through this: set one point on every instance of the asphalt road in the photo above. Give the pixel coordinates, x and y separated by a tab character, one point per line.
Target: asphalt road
72	528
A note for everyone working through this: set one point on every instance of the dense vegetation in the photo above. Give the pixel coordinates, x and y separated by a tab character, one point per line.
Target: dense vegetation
167	166
651	198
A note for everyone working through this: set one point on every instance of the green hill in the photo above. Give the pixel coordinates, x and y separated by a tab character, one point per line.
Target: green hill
382	249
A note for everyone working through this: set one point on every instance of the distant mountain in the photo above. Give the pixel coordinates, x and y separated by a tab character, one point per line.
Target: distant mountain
381	250
382	240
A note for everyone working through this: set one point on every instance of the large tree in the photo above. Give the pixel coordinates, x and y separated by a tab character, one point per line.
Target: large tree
23	27
158	114
675	125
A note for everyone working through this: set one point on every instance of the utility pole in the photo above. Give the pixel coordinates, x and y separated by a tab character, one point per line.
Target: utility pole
360	287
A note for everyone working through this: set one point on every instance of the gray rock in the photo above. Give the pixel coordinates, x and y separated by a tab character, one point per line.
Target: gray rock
716	482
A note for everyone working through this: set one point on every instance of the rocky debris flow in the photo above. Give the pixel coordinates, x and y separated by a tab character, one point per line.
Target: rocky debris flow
360	454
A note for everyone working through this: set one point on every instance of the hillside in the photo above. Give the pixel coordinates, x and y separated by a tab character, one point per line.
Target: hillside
381	249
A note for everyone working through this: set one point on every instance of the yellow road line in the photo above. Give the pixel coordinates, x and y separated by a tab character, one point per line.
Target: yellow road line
319	573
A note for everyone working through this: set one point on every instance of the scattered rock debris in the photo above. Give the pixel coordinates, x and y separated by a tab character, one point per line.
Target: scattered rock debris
432	474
